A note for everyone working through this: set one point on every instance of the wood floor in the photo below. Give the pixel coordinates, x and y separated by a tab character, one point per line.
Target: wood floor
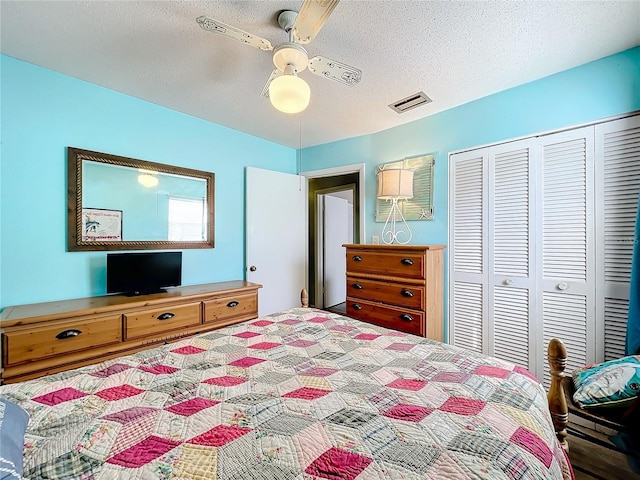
340	309
592	462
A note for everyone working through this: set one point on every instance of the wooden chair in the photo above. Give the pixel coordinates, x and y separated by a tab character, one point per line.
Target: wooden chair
561	404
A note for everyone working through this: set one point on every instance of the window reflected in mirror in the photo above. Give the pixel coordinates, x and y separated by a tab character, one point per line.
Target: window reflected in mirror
187	219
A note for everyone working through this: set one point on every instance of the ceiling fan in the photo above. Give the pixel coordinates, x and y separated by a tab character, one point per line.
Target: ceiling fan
288	92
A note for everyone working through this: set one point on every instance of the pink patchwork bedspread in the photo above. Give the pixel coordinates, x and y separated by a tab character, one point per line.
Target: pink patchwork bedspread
304	394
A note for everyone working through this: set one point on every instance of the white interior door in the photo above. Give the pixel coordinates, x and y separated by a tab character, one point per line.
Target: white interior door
511	254
617	190
566	249
468	237
336	233
276	253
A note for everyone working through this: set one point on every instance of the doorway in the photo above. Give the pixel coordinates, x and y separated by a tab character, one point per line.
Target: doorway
334	217
323	182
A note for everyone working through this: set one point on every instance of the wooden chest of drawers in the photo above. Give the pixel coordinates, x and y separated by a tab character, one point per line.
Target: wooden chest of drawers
45	338
397	286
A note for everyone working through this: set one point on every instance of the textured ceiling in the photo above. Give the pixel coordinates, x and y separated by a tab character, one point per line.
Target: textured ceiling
453	51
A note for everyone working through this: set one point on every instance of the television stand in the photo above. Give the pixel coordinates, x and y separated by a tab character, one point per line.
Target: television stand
44	338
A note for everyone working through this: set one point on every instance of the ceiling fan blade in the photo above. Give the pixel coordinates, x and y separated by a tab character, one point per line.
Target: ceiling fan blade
215	26
312	16
340	72
265	89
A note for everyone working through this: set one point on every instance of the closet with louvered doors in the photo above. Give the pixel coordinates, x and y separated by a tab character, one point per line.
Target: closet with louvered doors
617	146
541	231
565	244
492	274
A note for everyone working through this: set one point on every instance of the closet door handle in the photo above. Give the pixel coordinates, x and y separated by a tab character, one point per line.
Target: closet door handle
406	293
68	334
406	261
166	316
356	258
357	306
357	286
233	304
563	286
406	317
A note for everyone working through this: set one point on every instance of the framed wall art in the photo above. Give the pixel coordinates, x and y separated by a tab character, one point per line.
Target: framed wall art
420	207
99	224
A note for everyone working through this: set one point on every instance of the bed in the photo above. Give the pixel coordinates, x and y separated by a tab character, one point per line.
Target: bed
301	394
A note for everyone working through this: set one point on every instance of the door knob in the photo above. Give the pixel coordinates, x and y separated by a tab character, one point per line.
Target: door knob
563	286
252	268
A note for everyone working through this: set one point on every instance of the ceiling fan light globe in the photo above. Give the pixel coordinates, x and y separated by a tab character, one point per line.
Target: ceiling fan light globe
289	94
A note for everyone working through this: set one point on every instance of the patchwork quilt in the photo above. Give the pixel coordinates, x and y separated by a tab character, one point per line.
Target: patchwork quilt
302	394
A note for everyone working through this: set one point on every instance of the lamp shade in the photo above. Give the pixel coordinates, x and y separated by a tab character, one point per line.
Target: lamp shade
289	93
395	183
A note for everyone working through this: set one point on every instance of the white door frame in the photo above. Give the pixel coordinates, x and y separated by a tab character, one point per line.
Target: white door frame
358	168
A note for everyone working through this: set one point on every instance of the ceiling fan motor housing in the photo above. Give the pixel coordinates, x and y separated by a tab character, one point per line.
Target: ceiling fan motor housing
290	54
286	19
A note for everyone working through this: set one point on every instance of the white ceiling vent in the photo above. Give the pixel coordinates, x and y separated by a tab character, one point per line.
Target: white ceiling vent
410	102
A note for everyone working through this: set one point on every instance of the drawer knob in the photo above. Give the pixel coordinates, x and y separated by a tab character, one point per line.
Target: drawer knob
357	306
356	258
233	304
357	286
166	316
406	261
406	293
68	334
406	317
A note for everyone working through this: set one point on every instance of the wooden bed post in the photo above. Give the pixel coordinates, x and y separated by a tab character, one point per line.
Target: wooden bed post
304	298
557	357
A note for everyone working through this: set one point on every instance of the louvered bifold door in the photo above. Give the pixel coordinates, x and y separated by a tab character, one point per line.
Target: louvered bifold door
467	265
617	146
566	243
510	257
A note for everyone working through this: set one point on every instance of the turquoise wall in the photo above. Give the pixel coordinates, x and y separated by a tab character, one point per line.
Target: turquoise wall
600	89
43	112
604	88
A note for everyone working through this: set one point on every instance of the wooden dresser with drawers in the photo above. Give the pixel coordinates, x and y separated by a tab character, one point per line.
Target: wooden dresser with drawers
44	338
397	286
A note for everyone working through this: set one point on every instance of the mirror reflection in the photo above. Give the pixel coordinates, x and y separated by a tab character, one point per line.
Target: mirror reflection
153	205
127	204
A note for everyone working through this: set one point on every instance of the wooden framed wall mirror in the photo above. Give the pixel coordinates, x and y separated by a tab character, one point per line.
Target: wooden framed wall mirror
121	203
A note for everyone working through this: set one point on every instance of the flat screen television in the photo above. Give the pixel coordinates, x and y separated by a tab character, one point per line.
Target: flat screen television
143	273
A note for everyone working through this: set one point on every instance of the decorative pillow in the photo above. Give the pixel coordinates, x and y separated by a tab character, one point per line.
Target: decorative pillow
615	383
13	424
